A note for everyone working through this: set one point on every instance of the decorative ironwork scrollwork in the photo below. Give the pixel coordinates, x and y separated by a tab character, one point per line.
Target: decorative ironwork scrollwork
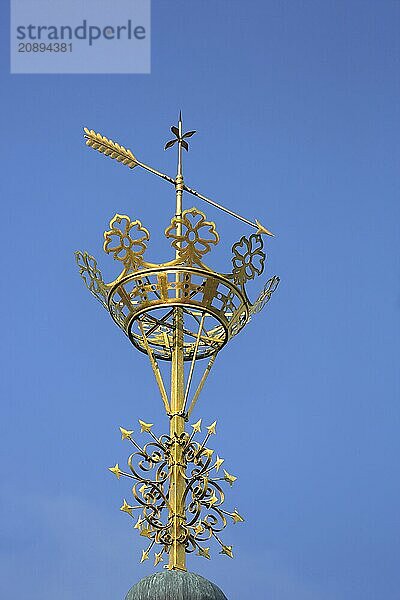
150	467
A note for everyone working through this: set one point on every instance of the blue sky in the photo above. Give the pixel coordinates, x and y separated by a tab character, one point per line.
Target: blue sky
297	110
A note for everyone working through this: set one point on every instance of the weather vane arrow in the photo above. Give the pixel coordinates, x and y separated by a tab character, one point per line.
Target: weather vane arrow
125	156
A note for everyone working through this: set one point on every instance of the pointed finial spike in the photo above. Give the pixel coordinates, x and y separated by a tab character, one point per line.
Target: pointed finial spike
212	428
197	426
227	550
145	427
145	555
116	470
125	433
126	507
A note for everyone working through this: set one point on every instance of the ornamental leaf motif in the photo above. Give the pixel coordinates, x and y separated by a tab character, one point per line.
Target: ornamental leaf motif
196	237
126	240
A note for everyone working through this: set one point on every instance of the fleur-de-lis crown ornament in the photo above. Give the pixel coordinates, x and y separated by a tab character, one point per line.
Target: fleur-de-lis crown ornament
176	312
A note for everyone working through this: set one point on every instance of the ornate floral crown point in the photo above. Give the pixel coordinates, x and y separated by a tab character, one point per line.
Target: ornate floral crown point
145	290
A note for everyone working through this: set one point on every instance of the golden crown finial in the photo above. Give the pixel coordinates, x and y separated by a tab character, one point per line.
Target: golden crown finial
176	311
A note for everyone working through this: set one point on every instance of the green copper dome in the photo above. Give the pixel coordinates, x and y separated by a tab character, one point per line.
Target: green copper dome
175	585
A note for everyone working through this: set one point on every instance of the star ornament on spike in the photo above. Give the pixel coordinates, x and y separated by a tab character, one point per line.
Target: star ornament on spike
179	138
229	478
116	470
125	433
145	556
126	508
227	550
197	426
236	517
204	552
212	429
219	461
145	427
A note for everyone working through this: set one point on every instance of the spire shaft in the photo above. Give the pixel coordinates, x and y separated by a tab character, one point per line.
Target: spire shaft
177	555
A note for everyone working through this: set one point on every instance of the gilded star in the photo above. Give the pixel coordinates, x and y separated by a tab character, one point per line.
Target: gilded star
204	552
236	517
158	557
212	428
145	426
125	433
116	470
145	556
218	463
227	550
126	508
229	478
197	426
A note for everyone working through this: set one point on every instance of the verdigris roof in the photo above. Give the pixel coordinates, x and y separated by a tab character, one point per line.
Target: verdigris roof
175	585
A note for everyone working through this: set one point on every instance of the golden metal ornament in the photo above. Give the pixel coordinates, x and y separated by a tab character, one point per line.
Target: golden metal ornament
177	312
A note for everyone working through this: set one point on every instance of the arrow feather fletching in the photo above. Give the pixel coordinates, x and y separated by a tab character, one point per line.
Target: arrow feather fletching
109	148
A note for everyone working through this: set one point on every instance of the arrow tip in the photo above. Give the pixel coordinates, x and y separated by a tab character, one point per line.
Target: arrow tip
261	229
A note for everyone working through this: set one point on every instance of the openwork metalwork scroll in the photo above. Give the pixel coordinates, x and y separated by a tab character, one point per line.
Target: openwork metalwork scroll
150	468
